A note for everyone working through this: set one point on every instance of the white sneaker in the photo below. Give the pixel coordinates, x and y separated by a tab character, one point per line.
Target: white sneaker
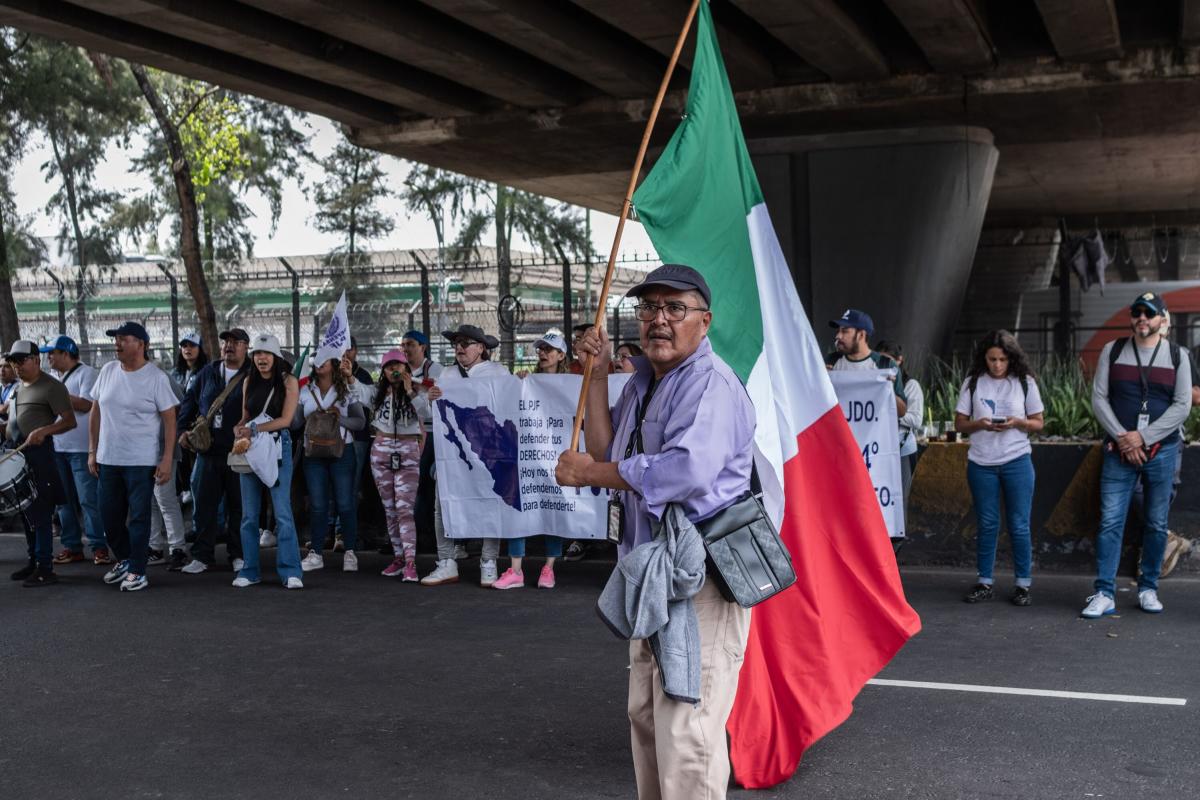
1099	605
349	562
239	564
267	539
487	573
194	567
185	498
312	561
460	552
1148	600
294	583
242	583
446	572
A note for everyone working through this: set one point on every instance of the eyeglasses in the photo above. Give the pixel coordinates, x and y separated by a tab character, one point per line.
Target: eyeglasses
465	343
545	348
674	312
1139	313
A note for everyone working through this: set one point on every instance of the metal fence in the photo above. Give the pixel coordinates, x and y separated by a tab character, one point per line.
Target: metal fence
387	293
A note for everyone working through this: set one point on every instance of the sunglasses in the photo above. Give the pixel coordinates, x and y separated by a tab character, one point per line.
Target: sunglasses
1140	313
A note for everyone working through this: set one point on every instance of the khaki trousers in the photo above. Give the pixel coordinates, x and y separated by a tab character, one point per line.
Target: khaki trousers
680	750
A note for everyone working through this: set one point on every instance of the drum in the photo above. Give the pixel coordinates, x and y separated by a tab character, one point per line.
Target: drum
18	489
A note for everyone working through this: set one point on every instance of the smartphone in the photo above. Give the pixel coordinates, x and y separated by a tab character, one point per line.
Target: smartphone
427	382
999	420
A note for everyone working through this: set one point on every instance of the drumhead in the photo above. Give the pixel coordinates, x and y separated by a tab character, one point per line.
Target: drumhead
11	467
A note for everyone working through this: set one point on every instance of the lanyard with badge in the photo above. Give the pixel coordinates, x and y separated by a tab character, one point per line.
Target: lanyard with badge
1143	420
616	510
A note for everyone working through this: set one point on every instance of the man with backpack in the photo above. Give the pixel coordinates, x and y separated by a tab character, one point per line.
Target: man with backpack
1141	395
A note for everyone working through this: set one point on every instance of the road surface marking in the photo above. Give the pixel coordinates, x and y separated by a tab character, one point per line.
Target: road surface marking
967	687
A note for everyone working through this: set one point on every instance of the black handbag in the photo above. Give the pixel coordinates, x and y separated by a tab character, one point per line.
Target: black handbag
746	556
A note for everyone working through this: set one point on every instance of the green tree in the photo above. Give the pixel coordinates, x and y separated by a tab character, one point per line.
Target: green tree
347	201
16	245
81	108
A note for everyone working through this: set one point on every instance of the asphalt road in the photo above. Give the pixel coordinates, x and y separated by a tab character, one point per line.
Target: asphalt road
361	687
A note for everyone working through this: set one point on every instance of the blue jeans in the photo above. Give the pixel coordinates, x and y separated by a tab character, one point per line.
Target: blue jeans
319	474
1015	479
1117	480
554	545
362	451
80	487
126	494
287	557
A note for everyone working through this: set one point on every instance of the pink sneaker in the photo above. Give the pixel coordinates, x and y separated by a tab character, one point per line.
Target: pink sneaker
410	572
510	580
396	568
546	578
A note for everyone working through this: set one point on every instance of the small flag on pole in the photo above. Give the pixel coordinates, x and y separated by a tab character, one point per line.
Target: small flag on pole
336	340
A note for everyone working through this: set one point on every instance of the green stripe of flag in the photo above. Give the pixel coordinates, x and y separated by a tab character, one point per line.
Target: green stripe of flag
694	203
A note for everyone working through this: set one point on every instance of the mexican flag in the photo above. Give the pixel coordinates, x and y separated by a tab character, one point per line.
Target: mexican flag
813	647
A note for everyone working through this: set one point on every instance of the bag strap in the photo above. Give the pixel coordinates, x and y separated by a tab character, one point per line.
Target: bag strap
224	395
316	399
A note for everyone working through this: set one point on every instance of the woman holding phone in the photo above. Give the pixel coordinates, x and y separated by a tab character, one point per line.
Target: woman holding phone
998	407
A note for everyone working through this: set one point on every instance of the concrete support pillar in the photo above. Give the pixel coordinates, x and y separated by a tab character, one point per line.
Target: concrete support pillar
885	221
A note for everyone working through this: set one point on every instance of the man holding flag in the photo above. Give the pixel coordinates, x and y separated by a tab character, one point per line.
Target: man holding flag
811	648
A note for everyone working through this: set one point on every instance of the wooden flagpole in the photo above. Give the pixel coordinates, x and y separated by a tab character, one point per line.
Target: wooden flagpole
625	206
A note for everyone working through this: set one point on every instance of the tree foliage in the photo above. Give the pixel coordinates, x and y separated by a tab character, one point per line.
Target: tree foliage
348	200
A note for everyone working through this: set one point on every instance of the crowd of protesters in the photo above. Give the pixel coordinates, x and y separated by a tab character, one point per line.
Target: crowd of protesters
117	455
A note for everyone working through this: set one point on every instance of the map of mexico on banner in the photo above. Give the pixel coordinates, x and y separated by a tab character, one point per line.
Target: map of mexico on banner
868	402
496	444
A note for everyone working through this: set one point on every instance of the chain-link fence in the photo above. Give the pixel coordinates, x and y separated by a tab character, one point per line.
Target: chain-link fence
387	293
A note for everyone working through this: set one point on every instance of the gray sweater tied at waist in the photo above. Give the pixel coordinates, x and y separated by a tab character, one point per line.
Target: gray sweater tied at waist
649	596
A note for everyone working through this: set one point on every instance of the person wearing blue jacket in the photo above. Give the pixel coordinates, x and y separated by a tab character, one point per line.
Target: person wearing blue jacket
213	480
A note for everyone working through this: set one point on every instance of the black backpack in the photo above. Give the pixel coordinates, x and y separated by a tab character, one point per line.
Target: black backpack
1119	346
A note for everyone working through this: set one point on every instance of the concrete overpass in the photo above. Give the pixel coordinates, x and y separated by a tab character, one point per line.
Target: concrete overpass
925	113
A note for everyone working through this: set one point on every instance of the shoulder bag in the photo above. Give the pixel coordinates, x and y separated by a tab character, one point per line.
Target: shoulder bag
747	559
322	433
200	436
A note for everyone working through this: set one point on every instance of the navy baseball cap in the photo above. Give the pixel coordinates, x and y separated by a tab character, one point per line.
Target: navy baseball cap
417	337
64	343
853	318
1150	300
674	276
130	328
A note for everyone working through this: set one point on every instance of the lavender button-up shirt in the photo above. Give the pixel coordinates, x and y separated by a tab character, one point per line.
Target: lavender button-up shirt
698	436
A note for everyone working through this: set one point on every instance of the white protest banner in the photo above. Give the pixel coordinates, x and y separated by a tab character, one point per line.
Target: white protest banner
868	402
496	443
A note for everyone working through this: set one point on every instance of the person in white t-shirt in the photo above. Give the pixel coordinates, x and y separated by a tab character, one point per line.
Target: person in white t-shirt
999	405
328	393
71	453
131	449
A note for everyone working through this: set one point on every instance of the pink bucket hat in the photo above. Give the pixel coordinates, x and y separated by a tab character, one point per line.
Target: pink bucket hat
393	355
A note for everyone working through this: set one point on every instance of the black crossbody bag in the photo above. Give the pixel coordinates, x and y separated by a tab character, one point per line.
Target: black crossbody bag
746	556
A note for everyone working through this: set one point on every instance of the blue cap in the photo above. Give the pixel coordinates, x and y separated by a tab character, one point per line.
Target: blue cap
130	328
417	337
853	318
64	343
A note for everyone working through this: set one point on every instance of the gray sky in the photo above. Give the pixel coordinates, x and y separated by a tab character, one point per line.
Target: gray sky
295	234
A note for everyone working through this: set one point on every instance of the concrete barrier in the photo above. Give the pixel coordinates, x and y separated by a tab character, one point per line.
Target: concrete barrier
1064	518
